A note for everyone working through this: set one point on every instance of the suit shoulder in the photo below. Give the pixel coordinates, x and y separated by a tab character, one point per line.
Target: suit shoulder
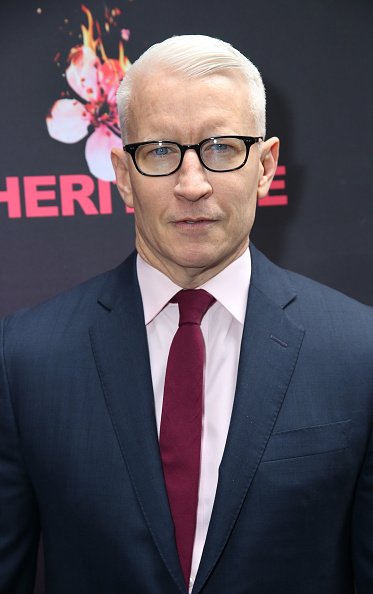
334	323
70	309
281	284
80	295
319	296
319	309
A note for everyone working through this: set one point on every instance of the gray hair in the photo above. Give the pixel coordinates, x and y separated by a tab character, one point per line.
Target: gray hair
194	56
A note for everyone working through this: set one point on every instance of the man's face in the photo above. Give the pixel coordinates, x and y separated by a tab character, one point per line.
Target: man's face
193	223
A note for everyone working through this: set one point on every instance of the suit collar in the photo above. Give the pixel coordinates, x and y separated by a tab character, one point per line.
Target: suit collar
270	280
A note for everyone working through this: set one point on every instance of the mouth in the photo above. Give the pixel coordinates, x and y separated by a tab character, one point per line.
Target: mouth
197	221
193	225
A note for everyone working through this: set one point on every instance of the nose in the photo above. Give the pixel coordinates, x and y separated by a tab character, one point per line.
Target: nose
192	181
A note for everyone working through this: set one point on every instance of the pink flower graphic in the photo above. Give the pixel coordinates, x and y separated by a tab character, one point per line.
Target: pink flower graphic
94	78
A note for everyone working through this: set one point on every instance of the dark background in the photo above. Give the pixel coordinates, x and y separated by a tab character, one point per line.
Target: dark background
316	61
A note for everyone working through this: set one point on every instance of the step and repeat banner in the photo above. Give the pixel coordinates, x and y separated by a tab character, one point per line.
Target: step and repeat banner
61	217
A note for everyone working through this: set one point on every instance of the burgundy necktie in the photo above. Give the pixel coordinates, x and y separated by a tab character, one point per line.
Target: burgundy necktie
181	422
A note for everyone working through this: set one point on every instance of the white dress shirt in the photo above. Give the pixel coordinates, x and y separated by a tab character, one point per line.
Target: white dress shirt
222	328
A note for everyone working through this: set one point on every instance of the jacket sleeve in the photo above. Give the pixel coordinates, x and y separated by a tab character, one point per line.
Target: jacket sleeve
19	518
362	527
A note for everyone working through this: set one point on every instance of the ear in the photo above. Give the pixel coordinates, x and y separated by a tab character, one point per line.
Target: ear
268	165
119	160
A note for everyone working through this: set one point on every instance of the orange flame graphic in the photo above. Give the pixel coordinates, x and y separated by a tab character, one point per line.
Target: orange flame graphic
88	32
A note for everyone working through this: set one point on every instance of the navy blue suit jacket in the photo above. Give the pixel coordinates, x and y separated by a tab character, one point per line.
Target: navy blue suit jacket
79	457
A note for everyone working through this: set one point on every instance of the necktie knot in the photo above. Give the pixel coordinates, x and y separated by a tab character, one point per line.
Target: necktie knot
193	304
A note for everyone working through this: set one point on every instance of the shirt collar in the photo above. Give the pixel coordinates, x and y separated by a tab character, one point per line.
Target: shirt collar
230	287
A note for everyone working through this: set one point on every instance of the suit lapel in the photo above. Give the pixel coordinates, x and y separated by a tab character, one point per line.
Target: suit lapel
269	351
120	350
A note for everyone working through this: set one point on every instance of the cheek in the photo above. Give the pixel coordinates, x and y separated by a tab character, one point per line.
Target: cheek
241	204
150	208
142	196
243	221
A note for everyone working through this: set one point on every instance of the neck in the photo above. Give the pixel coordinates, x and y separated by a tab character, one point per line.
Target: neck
188	277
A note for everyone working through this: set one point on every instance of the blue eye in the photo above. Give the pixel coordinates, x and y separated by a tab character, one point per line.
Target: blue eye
219	148
161	151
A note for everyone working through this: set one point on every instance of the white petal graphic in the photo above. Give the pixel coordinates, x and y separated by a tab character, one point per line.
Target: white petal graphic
68	121
97	152
82	74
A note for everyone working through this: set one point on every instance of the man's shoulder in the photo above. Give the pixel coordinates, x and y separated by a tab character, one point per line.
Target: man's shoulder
274	277
308	300
76	305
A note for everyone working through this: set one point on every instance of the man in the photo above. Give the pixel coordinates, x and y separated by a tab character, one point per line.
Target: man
93	381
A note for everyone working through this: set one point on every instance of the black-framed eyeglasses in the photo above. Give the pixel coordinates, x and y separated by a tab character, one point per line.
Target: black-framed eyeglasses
157	158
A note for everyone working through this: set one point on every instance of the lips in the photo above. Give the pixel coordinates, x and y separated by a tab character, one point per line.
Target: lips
190	221
192	226
196	221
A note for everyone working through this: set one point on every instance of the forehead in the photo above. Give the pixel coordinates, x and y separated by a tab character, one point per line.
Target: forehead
170	105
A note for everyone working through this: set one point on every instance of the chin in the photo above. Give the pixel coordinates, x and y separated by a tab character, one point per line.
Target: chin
196	261
188	253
